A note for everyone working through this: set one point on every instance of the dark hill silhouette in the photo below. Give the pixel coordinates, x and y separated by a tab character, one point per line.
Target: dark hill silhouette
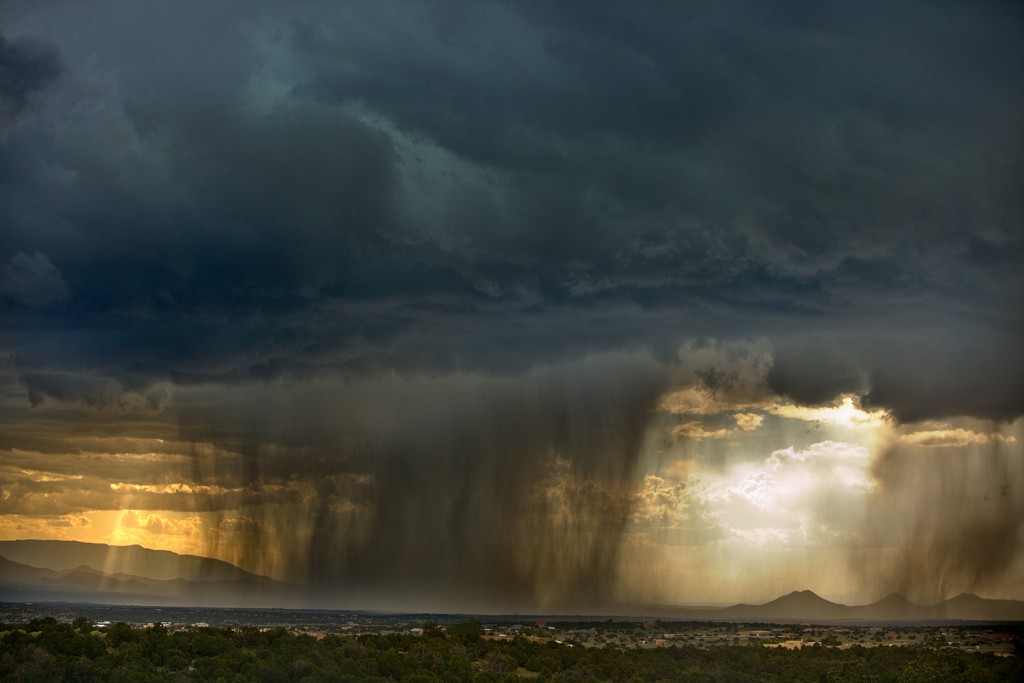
970	606
112	559
23	582
796	605
893	607
807	606
15	572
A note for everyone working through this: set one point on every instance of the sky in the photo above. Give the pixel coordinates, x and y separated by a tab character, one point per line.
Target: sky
520	305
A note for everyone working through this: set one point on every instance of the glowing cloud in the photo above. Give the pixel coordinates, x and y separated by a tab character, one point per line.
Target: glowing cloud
660	501
692	401
845	412
940	438
695	430
748	422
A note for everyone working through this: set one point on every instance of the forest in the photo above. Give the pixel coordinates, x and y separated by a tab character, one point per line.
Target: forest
50	650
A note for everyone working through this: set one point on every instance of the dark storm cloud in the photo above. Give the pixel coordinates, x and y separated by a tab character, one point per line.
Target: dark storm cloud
815	371
973	370
917	370
416	187
31	280
27	66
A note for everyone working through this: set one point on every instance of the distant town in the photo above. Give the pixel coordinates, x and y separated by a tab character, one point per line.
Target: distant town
620	632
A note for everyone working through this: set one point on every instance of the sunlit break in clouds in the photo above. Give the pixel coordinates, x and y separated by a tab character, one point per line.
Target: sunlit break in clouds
532	307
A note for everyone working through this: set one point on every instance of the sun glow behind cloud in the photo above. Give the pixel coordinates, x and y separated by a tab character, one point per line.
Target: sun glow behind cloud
843	413
811	485
790	487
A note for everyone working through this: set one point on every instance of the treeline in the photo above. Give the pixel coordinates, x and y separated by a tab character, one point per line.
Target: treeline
48	650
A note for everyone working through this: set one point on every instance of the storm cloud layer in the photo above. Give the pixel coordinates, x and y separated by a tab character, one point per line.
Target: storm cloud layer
519	219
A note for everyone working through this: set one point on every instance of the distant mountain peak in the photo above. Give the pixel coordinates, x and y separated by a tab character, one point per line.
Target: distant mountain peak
802	597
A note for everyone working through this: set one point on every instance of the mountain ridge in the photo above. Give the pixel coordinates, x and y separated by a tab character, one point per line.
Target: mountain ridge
806	605
67	571
129	559
222	584
24	583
